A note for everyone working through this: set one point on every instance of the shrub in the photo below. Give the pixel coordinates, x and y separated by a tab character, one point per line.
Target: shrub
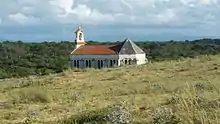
119	115
164	115
116	114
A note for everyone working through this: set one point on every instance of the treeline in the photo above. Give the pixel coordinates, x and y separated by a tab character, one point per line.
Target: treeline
19	59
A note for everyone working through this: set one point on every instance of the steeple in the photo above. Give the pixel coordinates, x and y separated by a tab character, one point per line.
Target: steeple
79	39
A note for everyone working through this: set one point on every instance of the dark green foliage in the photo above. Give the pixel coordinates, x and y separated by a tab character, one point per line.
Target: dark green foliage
18	59
158	51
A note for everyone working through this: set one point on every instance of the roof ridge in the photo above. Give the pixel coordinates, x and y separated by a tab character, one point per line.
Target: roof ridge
122	44
75	49
136	48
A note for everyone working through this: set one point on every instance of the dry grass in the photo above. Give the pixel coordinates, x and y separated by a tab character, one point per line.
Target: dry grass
190	87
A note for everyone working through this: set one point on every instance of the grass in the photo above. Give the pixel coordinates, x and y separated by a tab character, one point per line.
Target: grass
189	87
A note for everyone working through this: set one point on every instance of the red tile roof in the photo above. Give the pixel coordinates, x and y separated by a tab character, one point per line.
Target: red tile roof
96	50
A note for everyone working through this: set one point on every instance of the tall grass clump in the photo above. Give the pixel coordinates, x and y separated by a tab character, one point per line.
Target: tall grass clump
195	108
30	95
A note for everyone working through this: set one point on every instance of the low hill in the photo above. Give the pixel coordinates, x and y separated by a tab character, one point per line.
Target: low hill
20	59
185	91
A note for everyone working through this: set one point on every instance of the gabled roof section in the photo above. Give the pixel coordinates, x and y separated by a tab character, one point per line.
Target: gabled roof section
125	47
96	50
129	47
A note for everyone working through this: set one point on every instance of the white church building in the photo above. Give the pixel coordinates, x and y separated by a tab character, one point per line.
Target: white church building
105	56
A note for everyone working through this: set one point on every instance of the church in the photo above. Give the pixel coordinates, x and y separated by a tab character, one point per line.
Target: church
105	56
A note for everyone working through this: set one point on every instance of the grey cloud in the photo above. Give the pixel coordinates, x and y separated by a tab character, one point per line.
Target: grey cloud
134	12
148	16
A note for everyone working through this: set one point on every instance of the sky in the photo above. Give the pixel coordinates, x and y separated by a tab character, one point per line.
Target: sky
109	20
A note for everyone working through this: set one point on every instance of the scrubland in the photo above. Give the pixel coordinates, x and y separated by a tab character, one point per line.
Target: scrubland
184	91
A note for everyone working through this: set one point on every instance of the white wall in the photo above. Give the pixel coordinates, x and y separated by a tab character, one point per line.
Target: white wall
140	57
96	57
125	56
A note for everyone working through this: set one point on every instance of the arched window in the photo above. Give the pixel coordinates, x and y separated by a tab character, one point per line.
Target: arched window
80	36
87	63
129	61
126	61
74	63
102	63
99	64
90	64
77	64
111	63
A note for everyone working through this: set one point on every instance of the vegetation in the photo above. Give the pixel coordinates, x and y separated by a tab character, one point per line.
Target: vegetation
18	59
183	91
116	114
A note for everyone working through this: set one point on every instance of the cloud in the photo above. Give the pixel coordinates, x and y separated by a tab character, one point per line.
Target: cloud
135	12
22	19
129	14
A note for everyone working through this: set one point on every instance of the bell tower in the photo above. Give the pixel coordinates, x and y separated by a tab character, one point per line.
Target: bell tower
79	39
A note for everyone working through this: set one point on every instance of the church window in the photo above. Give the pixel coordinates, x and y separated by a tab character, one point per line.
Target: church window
111	62
102	63
90	64
74	64
129	62
87	63
77	64
80	36
99	64
126	61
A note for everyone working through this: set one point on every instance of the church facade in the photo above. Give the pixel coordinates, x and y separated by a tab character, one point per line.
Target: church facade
105	56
